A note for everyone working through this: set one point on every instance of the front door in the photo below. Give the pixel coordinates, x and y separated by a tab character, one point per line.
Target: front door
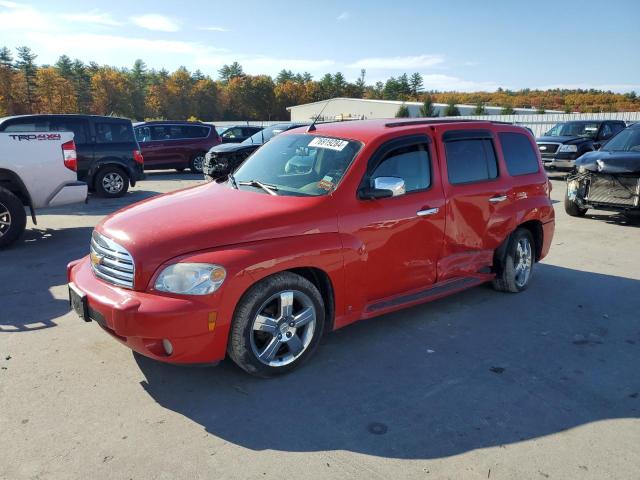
400	237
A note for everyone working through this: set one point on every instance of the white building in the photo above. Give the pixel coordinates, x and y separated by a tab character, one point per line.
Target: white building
363	108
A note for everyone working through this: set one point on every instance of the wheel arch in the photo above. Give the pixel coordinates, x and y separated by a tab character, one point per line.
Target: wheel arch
12	182
537	232
109	162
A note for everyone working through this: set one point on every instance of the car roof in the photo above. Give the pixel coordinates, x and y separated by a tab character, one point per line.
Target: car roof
66	115
367	130
171	122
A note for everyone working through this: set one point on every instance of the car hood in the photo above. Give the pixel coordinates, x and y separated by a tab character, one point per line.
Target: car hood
233	147
564	139
211	216
610	162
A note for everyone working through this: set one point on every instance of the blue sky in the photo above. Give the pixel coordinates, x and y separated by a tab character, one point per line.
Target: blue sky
455	44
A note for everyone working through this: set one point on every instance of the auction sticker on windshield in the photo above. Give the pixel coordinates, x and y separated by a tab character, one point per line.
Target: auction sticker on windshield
330	143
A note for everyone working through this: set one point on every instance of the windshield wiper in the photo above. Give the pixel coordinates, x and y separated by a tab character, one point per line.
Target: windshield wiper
270	189
232	179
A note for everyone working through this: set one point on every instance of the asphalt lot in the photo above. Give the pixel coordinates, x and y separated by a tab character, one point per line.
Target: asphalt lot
544	384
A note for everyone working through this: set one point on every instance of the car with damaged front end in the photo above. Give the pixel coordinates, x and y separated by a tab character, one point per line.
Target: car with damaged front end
608	179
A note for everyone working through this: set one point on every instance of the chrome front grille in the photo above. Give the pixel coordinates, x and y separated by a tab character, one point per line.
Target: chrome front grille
111	262
548	150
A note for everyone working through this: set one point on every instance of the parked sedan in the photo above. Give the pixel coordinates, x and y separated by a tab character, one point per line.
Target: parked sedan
238	133
223	159
175	144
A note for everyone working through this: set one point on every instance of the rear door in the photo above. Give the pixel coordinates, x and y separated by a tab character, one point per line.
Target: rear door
477	200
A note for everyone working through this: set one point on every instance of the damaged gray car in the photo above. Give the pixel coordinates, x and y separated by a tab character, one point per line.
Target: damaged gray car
608	179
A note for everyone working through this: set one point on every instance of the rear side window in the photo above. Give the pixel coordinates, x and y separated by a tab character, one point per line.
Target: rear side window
113	132
519	155
143	134
78	127
471	160
28	126
194	131
410	163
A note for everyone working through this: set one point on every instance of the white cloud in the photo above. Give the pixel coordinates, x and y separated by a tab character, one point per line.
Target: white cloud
214	29
94	17
343	16
4	3
398	63
446	83
156	22
24	18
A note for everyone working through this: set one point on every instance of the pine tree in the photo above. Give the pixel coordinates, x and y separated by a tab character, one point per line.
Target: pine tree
480	109
6	59
416	84
227	72
428	109
360	83
508	110
64	66
26	64
403	112
452	109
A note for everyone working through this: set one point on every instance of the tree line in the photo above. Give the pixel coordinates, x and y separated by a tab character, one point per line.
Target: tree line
72	86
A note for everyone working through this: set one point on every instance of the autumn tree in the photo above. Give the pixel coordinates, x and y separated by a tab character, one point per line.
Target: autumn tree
54	92
111	93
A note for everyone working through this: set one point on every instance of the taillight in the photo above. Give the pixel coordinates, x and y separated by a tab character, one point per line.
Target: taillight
70	156
137	156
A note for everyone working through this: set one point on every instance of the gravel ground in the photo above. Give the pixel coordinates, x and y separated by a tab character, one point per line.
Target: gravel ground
544	384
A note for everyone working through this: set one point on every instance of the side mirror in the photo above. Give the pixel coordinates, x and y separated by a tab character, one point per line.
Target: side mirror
383	187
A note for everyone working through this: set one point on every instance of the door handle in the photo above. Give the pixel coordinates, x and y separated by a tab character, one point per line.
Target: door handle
427	211
498	199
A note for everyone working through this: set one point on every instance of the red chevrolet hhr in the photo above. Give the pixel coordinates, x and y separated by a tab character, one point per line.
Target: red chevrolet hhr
320	228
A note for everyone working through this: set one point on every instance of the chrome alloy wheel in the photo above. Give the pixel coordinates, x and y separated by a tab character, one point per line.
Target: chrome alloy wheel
523	262
5	219
283	328
113	183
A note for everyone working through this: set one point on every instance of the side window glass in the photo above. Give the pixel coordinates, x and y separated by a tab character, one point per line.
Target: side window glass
410	163
113	132
159	133
606	131
519	155
470	160
78	128
196	131
29	126
176	132
143	134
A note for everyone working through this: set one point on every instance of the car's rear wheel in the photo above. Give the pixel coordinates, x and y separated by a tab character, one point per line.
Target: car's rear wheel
514	274
277	325
13	219
111	182
196	163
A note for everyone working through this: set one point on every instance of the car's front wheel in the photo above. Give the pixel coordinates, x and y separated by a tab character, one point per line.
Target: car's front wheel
572	208
13	219
514	274
277	325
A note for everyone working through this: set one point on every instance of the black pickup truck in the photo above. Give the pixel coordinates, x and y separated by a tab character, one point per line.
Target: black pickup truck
567	141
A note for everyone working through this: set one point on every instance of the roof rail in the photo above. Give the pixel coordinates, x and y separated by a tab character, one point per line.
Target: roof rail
407	123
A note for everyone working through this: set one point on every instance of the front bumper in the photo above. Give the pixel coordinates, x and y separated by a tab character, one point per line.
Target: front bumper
142	320
559	163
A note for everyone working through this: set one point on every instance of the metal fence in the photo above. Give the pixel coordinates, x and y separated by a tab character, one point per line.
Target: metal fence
538	123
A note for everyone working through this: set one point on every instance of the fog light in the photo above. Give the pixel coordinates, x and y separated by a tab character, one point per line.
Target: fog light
168	348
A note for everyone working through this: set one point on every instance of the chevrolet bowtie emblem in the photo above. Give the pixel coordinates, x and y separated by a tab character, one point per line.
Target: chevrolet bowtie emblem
96	259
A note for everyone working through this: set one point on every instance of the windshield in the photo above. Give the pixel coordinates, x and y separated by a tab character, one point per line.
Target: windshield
298	165
574	129
267	133
627	140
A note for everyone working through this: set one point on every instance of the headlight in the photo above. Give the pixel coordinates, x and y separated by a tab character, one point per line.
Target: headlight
191	278
568	148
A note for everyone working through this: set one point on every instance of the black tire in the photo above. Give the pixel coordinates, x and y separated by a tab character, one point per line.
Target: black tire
111	182
507	278
572	208
195	165
242	347
13	219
